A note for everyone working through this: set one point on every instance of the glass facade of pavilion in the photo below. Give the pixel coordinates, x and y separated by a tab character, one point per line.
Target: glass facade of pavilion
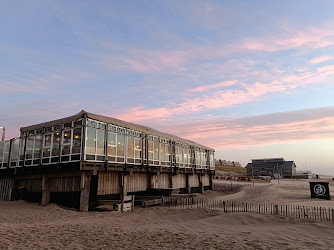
91	140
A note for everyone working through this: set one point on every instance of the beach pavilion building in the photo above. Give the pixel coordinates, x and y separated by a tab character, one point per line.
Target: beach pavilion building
274	167
80	159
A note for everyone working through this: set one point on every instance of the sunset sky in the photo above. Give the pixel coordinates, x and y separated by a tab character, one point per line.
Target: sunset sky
252	79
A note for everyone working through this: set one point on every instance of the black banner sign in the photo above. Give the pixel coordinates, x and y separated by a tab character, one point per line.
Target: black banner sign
320	190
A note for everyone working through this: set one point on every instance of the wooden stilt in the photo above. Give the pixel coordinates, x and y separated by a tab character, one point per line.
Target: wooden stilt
150	181
200	181
170	180
123	190
188	187
45	191
85	189
211	181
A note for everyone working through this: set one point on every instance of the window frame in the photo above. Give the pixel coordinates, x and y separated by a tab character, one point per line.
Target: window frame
32	159
155	148
14	163
179	155
96	126
138	160
111	145
2	146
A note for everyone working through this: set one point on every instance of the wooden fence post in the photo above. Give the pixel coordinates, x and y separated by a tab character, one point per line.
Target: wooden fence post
276	209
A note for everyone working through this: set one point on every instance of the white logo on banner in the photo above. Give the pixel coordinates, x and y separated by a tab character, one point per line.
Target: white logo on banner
319	189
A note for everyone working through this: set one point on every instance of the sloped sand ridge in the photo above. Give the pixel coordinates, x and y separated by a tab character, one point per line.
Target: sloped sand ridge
26	226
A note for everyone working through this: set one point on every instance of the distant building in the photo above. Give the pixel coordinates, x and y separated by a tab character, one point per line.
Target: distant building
271	167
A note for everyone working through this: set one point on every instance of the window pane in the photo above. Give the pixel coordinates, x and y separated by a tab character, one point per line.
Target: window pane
38	146
66	149
30	143
120	145
1	151
203	159
55	143
112	150
47	140
138	143
90	140
130	147
156	152
6	151
111	139
177	154
29	154
168	153
138	154
22	144
150	146
150	156
144	149
163	152
67	137
76	145
15	150
46	152
100	142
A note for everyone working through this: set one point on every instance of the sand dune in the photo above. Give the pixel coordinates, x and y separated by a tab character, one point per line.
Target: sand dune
30	226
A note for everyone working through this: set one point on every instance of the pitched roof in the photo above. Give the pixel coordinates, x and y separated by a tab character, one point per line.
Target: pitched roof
117	122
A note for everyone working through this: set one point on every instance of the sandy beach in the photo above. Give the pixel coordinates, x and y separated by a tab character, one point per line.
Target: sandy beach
30	226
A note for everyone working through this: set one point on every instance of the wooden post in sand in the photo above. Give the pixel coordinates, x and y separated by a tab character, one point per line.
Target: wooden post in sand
188	187
277	173
211	181
150	182
276	209
200	181
84	192
123	184
46	188
170	177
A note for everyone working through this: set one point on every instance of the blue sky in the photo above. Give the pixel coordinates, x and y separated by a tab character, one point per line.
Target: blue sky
250	79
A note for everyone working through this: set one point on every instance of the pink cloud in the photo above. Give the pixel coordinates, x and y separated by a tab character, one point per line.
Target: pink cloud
145	61
320	59
154	61
228	98
260	130
313	37
137	114
213	86
327	70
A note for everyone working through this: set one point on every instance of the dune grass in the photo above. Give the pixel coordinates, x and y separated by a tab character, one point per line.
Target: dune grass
234	169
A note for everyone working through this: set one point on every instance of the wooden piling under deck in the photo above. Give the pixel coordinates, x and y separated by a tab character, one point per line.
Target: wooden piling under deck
6	185
49	187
